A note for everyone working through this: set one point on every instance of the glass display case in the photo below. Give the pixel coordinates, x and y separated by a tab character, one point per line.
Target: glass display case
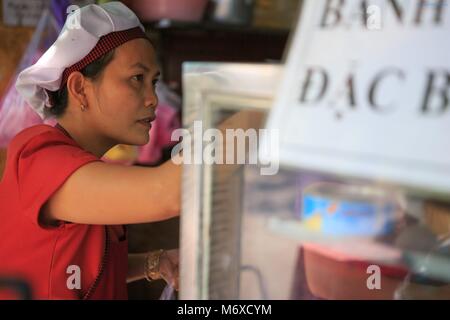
296	234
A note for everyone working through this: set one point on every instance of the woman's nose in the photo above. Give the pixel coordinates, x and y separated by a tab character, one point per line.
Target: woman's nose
152	99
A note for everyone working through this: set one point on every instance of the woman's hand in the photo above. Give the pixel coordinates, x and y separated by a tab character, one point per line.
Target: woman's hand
169	267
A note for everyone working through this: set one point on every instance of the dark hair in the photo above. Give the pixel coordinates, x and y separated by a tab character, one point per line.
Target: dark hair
92	71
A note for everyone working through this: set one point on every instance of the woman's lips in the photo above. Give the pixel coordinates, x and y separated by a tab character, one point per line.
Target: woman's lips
147	122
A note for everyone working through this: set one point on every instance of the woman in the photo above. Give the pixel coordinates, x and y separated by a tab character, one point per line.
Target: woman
61	207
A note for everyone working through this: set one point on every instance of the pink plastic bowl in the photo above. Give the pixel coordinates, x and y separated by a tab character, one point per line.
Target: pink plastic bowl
179	10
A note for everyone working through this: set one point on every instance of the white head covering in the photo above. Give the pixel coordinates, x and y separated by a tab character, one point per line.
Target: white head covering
88	34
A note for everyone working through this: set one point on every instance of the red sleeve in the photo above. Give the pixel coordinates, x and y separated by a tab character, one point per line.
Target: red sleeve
44	162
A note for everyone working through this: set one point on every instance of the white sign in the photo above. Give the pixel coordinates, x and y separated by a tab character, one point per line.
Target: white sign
366	91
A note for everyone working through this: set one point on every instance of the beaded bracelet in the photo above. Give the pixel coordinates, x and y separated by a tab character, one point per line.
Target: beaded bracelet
152	265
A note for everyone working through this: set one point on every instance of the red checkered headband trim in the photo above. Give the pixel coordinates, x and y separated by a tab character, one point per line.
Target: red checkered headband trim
105	44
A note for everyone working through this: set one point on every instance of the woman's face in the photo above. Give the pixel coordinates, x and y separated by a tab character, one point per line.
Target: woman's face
124	99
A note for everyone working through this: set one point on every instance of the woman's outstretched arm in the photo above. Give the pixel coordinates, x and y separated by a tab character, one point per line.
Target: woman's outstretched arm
103	193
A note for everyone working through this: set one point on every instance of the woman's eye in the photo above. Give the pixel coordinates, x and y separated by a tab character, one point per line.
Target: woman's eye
138	77
155	82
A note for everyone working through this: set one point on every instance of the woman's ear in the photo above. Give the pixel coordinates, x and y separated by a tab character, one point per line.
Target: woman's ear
76	87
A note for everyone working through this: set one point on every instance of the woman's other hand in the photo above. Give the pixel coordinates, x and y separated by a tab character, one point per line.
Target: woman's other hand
169	267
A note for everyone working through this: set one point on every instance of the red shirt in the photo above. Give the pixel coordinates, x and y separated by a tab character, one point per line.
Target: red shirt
51	260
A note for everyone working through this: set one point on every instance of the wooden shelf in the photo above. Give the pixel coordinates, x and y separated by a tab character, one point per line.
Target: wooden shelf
180	42
167	25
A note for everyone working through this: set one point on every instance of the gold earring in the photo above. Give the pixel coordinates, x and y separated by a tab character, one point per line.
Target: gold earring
83	107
